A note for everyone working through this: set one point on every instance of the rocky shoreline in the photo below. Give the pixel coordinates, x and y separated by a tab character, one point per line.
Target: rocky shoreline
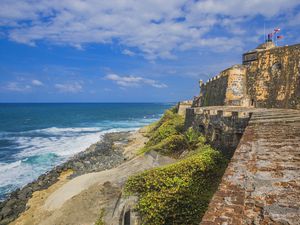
103	155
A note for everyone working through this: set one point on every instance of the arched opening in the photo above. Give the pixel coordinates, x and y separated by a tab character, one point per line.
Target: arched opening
127	218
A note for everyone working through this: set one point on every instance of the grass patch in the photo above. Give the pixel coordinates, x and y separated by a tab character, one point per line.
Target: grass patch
167	136
171	123
168	146
100	218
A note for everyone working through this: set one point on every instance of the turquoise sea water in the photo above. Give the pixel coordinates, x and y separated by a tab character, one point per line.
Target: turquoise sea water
36	137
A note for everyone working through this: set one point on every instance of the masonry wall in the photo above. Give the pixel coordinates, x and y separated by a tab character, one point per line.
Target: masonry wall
273	80
261	183
182	106
228	88
214	92
236	92
222	129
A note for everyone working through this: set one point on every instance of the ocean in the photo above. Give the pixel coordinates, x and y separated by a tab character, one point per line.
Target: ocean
36	137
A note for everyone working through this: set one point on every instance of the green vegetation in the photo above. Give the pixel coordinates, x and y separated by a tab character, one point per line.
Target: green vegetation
167	136
194	139
100	218
178	193
169	146
171	123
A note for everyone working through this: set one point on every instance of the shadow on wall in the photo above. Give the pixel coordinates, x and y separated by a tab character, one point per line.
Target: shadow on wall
223	130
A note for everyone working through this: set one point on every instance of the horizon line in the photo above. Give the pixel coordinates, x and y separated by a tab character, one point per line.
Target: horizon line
83	102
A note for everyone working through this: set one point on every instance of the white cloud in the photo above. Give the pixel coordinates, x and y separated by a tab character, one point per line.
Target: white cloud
17	87
128	52
241	8
37	83
74	87
154	27
134	81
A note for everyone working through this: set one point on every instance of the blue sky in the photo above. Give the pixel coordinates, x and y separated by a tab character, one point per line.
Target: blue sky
127	50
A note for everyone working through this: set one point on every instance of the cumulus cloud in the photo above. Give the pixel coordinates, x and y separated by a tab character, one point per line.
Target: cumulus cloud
155	28
17	87
37	83
240	8
128	52
74	87
134	81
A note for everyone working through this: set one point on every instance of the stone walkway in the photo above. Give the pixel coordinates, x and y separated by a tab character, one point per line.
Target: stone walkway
262	182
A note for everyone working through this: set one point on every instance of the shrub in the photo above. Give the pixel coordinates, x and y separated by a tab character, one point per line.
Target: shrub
194	138
191	135
167	135
169	114
171	145
178	193
171	124
167	129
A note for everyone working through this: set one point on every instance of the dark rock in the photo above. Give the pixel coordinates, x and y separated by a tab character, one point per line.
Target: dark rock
100	156
6	211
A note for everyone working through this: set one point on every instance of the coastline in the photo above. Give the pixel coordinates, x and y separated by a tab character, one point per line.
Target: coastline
111	151
81	199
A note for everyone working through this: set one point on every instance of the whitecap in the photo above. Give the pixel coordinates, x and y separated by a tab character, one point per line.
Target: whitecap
41	149
7	166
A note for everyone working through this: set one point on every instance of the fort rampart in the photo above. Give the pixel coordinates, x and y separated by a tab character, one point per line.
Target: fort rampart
251	113
268	78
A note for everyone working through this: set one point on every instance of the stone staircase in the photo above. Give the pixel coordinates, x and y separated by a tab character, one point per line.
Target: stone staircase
262	182
275	115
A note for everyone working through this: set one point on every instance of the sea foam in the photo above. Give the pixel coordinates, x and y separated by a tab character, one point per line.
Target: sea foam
34	138
39	154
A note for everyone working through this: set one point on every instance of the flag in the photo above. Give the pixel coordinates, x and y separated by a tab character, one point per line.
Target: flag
276	30
279	37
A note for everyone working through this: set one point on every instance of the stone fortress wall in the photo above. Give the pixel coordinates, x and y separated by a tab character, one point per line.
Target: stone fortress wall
251	112
261	185
228	88
182	106
268	78
273	80
222	126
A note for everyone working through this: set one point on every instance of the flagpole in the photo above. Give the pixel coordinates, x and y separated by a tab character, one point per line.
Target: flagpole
276	40
265	32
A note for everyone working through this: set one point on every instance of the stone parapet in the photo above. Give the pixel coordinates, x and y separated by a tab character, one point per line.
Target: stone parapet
222	126
222	113
182	106
261	184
